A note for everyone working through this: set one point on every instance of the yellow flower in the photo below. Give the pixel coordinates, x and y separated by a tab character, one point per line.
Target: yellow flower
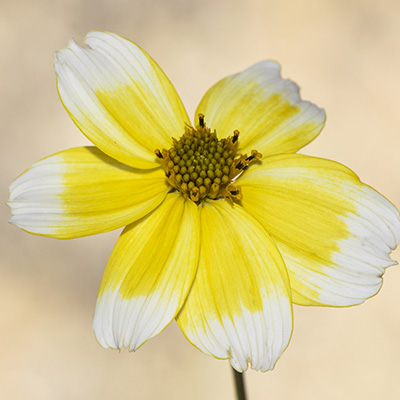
227	254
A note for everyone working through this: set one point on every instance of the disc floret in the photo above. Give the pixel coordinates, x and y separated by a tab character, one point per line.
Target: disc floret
200	165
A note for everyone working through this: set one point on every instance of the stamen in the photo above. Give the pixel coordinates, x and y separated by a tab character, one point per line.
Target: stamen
158	153
201	166
235	136
201	120
240	165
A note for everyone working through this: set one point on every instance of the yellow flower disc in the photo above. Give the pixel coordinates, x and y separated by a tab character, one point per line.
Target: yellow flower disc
200	165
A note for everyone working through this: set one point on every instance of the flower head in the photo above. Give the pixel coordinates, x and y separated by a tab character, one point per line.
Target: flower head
226	226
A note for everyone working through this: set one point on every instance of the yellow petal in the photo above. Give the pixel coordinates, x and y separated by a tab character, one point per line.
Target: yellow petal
82	191
148	275
119	98
239	306
334	233
266	109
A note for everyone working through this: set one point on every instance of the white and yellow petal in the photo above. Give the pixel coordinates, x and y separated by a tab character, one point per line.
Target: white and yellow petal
82	191
148	276
119	98
334	233
239	307
266	109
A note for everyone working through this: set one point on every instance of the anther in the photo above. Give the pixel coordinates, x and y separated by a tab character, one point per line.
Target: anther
249	158
201	120
158	153
235	192
235	136
240	165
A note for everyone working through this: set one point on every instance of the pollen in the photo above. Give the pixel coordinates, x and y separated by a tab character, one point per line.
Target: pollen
200	165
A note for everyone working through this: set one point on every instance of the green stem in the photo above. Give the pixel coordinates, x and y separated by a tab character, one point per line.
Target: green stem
239	385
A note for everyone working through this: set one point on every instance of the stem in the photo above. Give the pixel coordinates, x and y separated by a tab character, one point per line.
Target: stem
239	385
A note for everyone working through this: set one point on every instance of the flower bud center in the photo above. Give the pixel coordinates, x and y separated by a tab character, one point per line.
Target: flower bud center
200	165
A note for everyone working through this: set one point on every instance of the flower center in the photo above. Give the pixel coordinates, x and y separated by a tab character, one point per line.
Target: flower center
200	165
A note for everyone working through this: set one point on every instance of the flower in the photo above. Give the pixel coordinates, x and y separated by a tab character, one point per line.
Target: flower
226	226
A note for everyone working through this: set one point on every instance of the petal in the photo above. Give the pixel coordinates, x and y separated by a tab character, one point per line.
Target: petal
82	191
239	306
148	276
119	98
334	233
266	109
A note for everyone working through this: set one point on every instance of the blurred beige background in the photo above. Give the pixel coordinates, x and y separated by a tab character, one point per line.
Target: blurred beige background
345	55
